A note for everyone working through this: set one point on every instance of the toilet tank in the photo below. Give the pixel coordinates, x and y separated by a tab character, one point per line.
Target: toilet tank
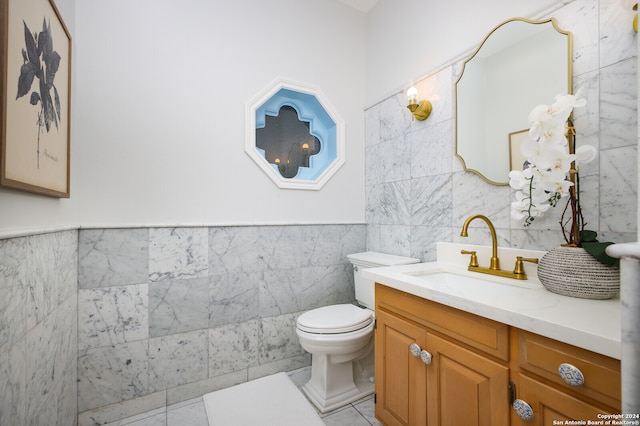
370	259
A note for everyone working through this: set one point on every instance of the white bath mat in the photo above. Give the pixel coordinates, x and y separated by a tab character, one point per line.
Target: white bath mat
268	401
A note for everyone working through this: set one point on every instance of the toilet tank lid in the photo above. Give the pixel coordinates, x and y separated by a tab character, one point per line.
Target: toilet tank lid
371	259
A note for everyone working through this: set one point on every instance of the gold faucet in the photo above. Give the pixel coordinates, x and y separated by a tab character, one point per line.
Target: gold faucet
494	267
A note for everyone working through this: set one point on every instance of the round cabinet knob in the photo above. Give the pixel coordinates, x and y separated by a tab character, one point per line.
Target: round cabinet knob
522	409
571	374
425	357
415	349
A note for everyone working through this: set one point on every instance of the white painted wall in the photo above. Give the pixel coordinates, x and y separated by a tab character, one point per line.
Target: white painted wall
409	39
160	89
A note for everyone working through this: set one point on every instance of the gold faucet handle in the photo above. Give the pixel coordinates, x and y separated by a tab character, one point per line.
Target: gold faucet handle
519	268
474	258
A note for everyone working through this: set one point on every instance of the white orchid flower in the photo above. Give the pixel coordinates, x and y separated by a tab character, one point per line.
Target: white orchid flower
518	179
555	159
585	154
570	102
545	180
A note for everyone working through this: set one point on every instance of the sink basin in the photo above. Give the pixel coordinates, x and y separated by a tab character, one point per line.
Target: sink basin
463	277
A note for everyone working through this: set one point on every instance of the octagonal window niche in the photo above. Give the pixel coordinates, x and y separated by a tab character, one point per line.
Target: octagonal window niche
294	135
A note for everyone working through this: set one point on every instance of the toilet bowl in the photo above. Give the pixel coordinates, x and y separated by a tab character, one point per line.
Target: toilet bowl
340	340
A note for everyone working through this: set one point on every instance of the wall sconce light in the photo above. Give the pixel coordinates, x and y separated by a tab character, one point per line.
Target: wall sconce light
419	110
632	4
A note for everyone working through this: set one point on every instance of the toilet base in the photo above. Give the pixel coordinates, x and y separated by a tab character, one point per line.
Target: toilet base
334	385
361	389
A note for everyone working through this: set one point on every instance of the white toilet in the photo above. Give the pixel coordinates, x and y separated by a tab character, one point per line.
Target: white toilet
340	340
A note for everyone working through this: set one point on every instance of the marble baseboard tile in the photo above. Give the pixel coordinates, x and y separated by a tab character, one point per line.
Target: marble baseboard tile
287	364
202	387
122	410
155	417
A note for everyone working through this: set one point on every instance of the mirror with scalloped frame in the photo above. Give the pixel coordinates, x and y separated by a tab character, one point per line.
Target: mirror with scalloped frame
520	64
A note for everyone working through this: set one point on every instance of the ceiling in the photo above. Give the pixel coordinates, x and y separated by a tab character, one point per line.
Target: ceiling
361	5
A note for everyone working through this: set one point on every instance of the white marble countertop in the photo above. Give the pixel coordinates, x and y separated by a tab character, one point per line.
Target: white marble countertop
590	324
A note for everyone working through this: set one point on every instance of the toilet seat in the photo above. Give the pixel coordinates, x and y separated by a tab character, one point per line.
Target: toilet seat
335	319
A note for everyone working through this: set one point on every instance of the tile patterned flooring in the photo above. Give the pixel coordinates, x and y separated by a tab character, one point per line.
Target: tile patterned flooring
192	412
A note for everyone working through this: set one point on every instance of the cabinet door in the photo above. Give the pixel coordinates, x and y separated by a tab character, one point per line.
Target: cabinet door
464	387
552	405
400	377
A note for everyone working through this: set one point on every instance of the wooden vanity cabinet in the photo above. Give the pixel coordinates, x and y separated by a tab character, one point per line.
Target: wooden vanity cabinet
460	381
468	369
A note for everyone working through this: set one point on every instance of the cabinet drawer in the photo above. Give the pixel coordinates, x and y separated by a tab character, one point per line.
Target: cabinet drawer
552	406
543	356
481	333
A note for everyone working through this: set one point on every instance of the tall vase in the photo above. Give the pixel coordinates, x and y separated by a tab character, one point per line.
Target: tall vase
571	271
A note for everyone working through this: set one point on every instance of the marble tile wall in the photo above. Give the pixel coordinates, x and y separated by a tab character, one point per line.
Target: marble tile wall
168	314
38	332
418	194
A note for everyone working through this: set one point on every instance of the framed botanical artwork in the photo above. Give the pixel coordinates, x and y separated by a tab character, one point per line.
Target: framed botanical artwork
35	49
516	158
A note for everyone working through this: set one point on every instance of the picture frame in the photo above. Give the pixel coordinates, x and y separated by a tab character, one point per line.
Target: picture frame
35	98
516	158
